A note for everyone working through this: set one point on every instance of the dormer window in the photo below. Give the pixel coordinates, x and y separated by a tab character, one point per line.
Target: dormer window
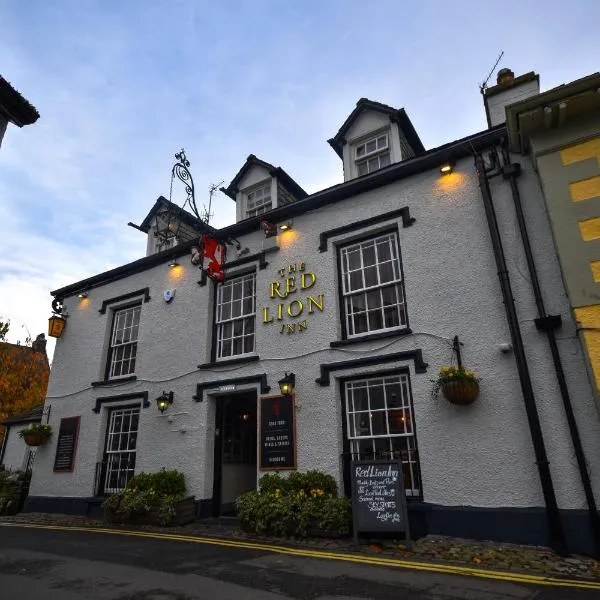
258	201
373	154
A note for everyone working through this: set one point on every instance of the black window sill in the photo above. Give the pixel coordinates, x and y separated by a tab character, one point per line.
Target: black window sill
371	337
232	361
109	382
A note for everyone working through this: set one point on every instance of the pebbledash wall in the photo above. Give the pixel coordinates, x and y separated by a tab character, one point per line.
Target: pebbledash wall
477	464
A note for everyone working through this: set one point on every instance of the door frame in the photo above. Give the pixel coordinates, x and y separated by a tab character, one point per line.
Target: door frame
218	444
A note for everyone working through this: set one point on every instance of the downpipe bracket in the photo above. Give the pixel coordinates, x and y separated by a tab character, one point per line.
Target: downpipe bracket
548	323
511	170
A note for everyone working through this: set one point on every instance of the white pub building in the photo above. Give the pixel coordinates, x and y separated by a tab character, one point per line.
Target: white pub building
362	291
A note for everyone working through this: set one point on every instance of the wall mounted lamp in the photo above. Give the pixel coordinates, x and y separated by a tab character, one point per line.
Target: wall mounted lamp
447	167
287	384
82	295
57	322
286	226
173	263
164	401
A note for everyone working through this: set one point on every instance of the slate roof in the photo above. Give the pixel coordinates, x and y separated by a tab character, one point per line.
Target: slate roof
15	107
396	114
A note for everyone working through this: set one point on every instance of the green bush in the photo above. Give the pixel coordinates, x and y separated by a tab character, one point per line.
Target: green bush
299	505
164	483
148	497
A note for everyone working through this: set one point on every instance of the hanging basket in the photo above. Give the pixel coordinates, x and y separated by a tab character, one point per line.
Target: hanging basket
461	392
34	439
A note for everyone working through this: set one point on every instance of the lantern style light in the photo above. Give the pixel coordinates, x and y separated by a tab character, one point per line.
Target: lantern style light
287	384
286	226
164	401
56	324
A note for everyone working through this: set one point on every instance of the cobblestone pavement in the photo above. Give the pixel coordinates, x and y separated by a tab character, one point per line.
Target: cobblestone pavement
435	549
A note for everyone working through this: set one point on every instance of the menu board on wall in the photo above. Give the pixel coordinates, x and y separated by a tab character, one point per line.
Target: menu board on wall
378	498
277	439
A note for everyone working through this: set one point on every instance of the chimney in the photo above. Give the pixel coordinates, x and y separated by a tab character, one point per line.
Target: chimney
39	344
508	90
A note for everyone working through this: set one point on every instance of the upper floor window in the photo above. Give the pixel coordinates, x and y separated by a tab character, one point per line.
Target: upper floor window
235	316
372	289
372	154
258	201
123	341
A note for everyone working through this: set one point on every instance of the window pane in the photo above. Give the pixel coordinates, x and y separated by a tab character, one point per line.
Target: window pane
249	343
356	280
376	397
360	399
369	255
362	168
371	146
382	141
384	159
360	150
370	276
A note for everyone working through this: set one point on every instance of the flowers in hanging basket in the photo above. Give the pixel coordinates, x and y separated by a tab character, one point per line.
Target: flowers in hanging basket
459	385
36	434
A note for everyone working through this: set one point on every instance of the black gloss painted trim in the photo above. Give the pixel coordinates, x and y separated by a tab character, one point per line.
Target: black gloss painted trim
144	291
143	396
548	323
207	385
416	355
372	336
232	361
109	382
407	221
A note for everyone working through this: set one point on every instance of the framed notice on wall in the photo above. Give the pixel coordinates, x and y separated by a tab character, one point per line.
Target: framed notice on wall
277	435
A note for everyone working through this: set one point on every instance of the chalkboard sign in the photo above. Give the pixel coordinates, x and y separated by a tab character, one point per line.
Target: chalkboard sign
378	498
277	433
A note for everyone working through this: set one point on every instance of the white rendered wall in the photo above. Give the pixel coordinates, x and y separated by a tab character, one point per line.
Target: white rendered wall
498	102
479	455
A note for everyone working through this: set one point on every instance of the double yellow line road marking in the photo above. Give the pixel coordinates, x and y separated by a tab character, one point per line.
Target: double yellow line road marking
339	556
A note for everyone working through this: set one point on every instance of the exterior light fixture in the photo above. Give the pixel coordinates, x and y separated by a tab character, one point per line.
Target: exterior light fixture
245	417
286	226
82	295
56	324
173	263
287	384
447	167
164	401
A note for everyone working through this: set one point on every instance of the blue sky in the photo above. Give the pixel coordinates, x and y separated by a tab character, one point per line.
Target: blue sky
122	86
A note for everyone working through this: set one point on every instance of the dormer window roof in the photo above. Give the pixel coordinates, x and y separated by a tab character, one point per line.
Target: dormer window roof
259	187
283	178
397	115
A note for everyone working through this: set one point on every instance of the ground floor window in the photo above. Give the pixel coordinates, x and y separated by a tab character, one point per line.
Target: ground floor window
380	424
118	465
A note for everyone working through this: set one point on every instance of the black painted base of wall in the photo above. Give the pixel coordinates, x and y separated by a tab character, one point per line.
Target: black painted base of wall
509	525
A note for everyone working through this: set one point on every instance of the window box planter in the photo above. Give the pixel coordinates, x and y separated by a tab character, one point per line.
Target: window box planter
461	392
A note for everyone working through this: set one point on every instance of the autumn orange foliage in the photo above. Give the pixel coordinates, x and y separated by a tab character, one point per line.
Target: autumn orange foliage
24	376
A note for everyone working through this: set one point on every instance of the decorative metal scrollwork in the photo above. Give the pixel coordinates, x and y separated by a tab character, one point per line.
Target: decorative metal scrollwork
57	306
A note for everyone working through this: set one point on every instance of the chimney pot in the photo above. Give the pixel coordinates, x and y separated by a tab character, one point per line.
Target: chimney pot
39	344
505	77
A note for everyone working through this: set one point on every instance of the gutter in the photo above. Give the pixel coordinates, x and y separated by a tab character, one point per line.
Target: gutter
555	529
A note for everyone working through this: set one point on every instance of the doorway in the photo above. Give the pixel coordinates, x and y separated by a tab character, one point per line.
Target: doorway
235	450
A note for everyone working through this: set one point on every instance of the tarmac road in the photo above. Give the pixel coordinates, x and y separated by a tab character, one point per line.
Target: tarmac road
64	564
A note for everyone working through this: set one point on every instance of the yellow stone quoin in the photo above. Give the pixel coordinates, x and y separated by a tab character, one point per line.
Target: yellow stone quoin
585	189
589	149
588	318
590	229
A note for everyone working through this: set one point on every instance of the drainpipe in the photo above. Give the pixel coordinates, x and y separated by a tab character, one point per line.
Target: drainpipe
549	323
555	530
